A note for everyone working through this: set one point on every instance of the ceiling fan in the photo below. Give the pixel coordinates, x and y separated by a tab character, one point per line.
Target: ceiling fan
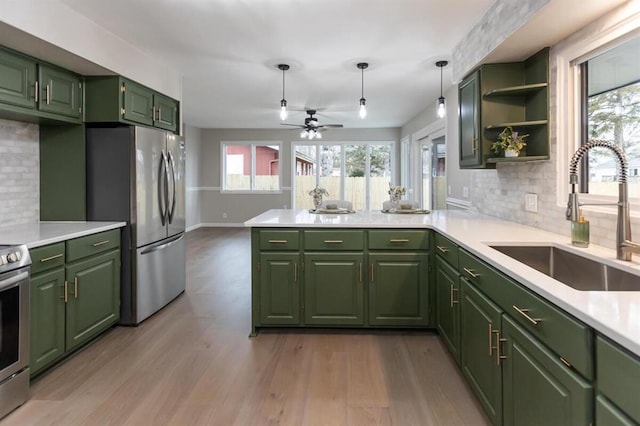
311	128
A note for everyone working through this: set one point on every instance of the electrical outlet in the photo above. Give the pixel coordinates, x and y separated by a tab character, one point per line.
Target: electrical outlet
224	215
531	203
465	192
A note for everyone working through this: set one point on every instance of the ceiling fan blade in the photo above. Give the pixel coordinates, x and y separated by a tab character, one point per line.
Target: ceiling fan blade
334	126
293	125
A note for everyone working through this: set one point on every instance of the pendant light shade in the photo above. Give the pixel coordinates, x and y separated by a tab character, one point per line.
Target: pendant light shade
283	103
363	102
441	106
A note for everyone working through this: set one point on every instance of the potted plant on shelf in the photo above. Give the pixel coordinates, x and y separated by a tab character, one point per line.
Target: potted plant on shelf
509	142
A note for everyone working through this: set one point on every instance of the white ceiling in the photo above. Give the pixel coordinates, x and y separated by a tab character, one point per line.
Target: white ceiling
228	51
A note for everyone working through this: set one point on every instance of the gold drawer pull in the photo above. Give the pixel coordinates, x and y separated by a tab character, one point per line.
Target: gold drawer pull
46	259
499	341
278	241
372	280
75	286
398	240
360	272
453	302
524	313
100	243
333	241
470	272
295	272
443	249
65	296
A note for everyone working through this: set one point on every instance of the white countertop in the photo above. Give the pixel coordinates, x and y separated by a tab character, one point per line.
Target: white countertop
614	314
43	233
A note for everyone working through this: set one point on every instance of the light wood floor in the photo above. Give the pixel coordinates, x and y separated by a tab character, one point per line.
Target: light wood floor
193	364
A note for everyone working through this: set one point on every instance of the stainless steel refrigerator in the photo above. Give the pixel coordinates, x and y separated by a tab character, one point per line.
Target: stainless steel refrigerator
136	174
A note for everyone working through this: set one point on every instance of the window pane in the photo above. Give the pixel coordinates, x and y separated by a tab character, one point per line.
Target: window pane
237	167
305	170
267	168
330	161
355	181
380	164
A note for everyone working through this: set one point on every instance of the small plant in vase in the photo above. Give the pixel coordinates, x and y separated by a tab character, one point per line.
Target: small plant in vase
395	194
317	193
509	142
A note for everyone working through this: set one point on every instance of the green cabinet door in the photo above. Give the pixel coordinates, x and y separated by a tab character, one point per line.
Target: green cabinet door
447	306
138	103
166	112
17	80
47	317
479	331
60	92
333	289
280	288
538	388
470	132
608	414
399	289
94	297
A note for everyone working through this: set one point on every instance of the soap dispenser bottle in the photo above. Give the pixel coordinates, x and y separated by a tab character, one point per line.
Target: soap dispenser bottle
580	232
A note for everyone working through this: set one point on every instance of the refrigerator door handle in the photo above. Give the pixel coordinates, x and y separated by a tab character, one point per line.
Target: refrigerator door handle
165	244
173	184
162	188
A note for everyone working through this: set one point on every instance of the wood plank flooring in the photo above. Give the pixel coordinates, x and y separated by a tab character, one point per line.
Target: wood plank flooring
194	364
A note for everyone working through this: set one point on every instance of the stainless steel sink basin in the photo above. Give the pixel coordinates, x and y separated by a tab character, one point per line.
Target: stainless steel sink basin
573	270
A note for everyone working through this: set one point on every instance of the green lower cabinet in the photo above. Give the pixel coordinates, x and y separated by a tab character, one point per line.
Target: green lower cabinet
448	306
47	319
480	321
93	297
279	288
333	288
398	289
538	388
608	414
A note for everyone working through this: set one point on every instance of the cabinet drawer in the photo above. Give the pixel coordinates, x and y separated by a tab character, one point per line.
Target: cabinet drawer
279	240
46	257
398	239
569	338
92	244
618	375
333	240
447	249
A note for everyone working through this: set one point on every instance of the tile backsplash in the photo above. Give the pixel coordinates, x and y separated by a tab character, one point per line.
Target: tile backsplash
19	173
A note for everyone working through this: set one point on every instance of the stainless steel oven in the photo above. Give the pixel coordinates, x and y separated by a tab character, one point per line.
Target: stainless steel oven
14	327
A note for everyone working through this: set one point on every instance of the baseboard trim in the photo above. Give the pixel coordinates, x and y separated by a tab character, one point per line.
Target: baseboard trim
193	227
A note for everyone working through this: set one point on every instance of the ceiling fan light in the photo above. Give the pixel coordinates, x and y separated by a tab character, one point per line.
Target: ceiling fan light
283	110
363	108
318	135
304	133
441	107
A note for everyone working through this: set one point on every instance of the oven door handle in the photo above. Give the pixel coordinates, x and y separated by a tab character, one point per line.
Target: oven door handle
13	281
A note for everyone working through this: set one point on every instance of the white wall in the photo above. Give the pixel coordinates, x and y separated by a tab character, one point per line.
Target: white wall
241	207
193	148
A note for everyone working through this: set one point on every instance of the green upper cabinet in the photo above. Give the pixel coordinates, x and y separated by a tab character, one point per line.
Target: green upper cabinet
470	133
333	288
17	80
60	91
511	94
113	99
38	92
399	289
539	389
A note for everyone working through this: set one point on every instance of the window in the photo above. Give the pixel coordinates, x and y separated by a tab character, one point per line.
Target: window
611	112
251	166
359	172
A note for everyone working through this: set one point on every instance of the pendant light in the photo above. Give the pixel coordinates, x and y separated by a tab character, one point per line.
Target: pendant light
441	108
283	103
363	109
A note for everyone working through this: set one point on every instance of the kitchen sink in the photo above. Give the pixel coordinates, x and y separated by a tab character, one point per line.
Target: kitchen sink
571	269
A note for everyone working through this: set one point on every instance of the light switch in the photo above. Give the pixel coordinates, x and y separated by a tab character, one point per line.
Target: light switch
531	203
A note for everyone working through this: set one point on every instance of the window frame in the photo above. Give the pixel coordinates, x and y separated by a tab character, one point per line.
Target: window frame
252	178
622	26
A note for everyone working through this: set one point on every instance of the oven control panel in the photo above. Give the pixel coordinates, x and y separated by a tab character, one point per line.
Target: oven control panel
13	257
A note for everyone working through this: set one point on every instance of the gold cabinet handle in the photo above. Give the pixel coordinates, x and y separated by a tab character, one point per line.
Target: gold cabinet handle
471	273
75	287
100	243
473	145
398	240
443	249
46	259
333	241
372	272
36	91
525	313
48	93
153	113
159	113
497	347
453	302
490	341
295	272
65	296
360	272
278	241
